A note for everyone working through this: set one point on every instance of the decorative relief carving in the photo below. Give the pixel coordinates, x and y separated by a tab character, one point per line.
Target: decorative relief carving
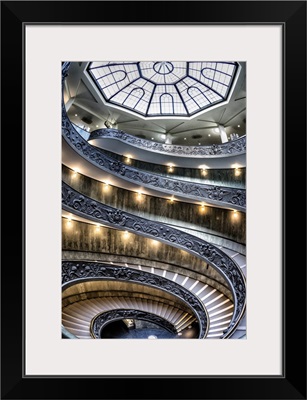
74	271
237	146
199	191
218	177
86	207
101	320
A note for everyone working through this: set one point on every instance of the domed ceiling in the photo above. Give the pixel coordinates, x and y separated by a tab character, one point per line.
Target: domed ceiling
164	88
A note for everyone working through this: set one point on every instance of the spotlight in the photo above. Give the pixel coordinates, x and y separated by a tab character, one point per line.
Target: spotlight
237	172
139	195
170	167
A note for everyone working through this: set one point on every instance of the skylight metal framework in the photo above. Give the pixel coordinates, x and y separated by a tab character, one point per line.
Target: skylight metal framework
164	88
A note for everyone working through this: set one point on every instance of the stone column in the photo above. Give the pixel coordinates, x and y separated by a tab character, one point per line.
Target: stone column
223	134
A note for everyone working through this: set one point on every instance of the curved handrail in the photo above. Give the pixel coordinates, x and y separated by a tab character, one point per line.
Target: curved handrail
221	178
200	271
74	272
234	197
228	149
75	202
228	196
66	334
104	318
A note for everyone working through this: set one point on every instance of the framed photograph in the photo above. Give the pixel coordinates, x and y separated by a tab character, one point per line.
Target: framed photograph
235	84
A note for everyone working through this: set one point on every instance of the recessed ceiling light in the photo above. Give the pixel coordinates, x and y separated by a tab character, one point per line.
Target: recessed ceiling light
238	126
199	143
216	130
97	126
76	115
152	138
209	134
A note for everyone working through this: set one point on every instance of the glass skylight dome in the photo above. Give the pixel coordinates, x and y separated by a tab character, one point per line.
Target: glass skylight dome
164	88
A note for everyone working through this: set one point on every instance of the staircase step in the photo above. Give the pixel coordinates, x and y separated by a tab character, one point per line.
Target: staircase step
69	324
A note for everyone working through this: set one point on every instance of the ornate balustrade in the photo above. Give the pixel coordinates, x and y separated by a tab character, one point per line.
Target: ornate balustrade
84	206
75	271
220	195
231	148
101	320
227	196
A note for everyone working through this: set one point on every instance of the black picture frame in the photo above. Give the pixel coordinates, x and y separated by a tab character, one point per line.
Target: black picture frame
292	16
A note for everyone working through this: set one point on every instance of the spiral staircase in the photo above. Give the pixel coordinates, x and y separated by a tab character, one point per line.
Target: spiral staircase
203	294
77	317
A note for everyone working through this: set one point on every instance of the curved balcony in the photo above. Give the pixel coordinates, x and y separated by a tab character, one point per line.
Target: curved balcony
233	177
86	272
219	226
85	241
214	156
84	206
216	195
